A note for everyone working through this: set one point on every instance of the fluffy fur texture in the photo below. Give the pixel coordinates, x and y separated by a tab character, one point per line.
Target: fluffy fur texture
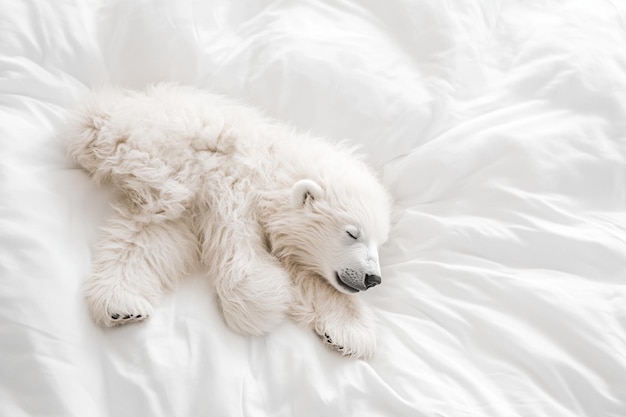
283	223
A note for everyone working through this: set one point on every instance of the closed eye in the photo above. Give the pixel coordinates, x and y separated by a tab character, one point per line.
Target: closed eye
355	237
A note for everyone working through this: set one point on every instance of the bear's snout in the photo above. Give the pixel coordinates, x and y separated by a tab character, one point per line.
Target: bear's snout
354	281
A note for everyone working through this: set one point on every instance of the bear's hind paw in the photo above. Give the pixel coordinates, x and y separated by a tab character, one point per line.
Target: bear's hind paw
116	308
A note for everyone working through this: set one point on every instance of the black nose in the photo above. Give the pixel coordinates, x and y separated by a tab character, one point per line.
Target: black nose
372	281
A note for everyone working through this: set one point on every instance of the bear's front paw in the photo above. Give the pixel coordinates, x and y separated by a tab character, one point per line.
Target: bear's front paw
354	340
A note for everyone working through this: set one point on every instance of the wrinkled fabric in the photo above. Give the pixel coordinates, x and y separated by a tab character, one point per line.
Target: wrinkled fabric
498	126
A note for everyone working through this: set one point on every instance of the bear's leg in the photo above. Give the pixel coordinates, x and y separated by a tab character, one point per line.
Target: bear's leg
341	320
135	262
254	294
253	289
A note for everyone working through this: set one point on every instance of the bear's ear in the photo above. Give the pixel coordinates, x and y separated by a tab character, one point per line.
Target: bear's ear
305	191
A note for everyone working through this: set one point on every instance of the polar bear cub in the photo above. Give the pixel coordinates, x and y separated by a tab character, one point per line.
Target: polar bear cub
283	223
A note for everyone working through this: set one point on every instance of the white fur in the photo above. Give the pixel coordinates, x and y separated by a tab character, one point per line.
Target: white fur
274	216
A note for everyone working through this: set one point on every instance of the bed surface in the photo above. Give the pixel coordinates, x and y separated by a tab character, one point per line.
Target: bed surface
499	128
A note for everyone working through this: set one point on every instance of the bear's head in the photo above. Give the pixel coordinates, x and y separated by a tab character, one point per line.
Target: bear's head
334	231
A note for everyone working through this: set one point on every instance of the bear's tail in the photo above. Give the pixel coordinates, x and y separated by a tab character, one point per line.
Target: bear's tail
87	138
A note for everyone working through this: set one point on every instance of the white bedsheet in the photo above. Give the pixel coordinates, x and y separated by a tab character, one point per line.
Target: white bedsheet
498	126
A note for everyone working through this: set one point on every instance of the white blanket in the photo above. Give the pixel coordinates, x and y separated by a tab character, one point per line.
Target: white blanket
498	126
